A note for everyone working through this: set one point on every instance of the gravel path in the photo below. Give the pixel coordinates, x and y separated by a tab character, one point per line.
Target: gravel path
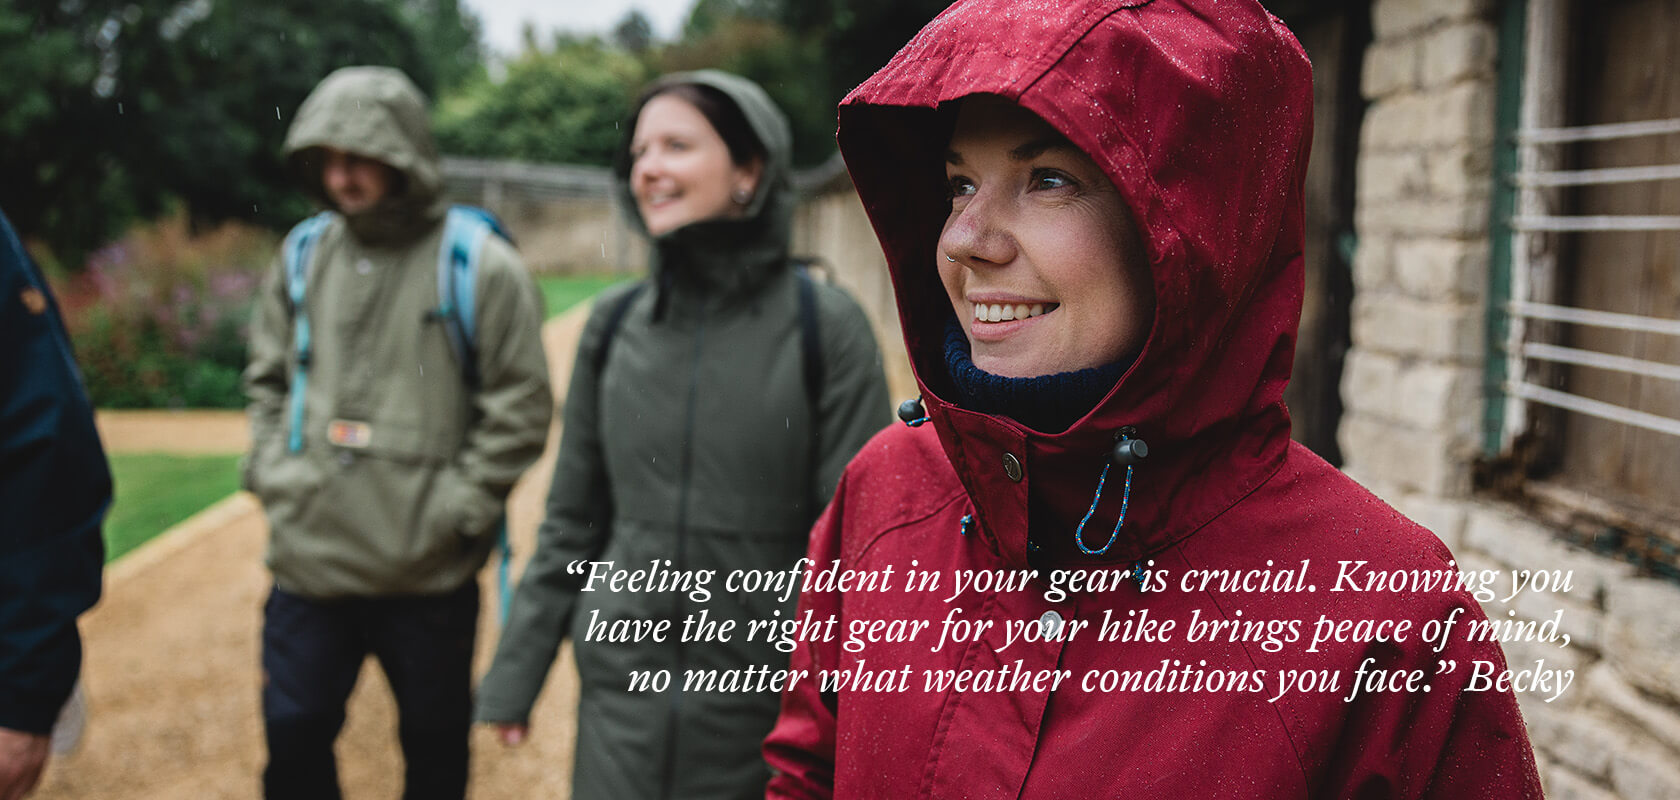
172	651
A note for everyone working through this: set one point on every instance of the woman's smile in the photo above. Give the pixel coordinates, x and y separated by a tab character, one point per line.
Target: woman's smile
998	318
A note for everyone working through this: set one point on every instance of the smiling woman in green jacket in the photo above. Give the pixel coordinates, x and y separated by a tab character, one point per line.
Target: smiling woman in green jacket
704	430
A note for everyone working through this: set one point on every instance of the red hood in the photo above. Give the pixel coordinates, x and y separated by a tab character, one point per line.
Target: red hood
1200	113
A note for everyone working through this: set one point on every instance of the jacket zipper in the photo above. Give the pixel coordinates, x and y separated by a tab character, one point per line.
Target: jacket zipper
668	781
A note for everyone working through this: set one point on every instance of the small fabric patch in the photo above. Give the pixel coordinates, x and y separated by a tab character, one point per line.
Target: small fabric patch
347	433
34	300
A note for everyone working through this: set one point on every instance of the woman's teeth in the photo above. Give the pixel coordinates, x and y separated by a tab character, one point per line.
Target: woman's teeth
995	312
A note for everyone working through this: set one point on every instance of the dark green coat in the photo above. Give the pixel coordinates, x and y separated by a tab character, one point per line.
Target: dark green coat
696	445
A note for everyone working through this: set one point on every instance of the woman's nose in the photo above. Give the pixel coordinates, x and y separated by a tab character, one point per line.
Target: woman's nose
979	233
647	166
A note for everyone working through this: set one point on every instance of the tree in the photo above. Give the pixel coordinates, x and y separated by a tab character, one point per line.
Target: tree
561	106
450	38
57	178
806	53
216	106
856	37
788	67
113	110
633	33
706	15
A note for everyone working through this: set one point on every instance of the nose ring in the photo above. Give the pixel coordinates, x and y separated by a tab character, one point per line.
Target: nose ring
949	258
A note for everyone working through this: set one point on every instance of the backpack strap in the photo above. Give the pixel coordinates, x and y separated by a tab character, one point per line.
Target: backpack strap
810	341
464	232
811	345
615	320
298	251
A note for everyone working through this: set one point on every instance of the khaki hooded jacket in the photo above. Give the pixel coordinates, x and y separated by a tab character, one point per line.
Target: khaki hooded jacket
404	469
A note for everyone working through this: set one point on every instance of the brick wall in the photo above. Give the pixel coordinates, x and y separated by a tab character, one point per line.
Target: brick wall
1412	387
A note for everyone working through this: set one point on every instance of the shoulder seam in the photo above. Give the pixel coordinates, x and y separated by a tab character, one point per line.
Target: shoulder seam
956	494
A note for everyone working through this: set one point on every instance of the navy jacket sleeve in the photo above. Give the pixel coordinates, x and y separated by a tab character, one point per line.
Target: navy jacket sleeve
54	489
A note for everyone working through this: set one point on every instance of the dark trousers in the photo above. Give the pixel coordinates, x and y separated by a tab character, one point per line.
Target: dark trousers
312	651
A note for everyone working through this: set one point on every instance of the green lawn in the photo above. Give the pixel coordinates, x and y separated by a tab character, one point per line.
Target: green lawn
561	292
155	491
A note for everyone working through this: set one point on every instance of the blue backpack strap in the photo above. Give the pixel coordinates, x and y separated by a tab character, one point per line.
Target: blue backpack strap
464	230
464	233
298	251
487	218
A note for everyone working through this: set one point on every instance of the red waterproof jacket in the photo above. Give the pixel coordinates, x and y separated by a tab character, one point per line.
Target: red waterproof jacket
1199	112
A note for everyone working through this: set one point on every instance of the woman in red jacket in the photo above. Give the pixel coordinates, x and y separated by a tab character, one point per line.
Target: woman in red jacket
1092	214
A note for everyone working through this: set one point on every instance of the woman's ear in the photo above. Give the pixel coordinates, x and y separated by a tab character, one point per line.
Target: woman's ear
744	181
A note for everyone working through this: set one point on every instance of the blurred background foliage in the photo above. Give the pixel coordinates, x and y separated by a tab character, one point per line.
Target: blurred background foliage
562	104
158	317
139	139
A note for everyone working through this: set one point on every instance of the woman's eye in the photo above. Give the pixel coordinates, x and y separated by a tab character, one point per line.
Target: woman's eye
1046	179
958	186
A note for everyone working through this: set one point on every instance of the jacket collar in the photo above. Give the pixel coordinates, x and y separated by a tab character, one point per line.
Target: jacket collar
1199	112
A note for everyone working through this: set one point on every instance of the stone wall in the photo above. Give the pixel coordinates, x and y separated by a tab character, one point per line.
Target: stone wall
1412	388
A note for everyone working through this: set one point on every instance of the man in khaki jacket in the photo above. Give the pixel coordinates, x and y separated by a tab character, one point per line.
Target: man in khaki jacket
382	450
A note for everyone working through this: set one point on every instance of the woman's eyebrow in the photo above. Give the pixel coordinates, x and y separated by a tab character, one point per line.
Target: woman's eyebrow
1025	152
1040	146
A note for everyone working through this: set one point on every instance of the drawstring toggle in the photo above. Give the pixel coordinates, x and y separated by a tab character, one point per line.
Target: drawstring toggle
912	413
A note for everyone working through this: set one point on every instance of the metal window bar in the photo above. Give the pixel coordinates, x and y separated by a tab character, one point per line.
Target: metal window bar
1538	82
1597	319
1595	359
1533	290
1594	224
1599	177
1596	408
1586	133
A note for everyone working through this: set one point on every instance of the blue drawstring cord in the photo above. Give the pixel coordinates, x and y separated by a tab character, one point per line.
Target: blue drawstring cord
1125	502
1127	450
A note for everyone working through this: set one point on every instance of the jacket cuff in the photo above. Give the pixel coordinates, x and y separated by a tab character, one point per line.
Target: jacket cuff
490	709
30	712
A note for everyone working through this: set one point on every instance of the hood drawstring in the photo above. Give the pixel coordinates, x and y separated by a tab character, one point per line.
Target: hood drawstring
1128	451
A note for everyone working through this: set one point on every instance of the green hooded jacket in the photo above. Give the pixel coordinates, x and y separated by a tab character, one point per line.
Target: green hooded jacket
405	504
694	448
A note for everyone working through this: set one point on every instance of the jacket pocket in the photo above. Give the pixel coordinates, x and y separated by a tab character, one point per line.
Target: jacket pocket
278	477
454	519
464	507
